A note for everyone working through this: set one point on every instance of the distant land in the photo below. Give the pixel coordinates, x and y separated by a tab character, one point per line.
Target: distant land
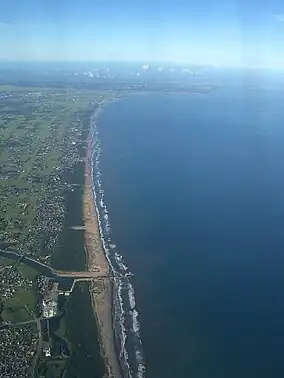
46	112
109	76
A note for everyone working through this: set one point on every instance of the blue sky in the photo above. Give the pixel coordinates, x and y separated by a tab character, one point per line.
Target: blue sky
222	32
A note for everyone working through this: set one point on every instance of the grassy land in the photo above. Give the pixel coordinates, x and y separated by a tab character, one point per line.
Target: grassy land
56	368
22	304
69	252
58	327
14	308
62	329
28	272
5	261
41	133
85	360
52	368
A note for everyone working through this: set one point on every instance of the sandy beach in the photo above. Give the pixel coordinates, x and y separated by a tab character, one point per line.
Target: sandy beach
100	290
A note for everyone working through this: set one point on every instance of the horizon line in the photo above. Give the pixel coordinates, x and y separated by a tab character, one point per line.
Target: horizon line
143	62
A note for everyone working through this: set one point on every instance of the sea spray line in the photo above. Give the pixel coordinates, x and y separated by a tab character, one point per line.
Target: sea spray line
119	315
123	339
123	267
136	325
119	310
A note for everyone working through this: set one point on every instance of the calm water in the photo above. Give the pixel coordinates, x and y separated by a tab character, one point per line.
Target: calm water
194	186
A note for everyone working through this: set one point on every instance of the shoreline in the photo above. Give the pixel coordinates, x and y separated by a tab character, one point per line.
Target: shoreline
101	291
113	298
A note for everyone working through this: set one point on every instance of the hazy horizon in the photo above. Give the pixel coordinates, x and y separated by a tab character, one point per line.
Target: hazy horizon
223	33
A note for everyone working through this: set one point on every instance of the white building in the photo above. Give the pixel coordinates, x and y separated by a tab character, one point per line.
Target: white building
49	308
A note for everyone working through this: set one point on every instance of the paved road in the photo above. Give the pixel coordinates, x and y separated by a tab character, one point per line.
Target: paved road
39	348
9	325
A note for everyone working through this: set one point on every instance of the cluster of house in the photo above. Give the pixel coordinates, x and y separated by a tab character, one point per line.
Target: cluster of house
11	279
17	349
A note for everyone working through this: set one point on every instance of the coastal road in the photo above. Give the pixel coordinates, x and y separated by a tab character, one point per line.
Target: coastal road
39	347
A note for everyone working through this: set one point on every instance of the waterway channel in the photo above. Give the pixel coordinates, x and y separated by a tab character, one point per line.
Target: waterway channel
64	282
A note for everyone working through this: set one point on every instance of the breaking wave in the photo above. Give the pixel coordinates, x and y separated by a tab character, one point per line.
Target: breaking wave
125	315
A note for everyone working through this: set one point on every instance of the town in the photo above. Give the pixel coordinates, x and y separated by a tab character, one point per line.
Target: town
30	304
43	139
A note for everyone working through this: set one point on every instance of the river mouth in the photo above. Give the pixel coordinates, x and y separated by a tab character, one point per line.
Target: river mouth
65	283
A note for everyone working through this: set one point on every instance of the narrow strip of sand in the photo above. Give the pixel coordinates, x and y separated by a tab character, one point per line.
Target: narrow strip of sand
100	290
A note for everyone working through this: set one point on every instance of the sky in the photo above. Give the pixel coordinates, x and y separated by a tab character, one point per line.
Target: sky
215	32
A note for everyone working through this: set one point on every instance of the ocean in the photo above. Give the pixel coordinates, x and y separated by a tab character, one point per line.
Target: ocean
191	196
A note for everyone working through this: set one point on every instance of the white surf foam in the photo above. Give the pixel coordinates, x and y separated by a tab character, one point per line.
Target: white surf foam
136	325
115	261
131	296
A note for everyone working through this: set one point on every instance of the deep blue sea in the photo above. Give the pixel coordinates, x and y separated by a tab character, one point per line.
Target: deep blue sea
194	187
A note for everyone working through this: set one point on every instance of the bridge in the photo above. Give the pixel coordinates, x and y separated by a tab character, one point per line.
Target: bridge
81	275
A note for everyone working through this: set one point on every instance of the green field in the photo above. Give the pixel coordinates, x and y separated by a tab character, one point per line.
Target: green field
27	271
41	139
22	305
52	368
14	308
62	330
5	261
83	334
